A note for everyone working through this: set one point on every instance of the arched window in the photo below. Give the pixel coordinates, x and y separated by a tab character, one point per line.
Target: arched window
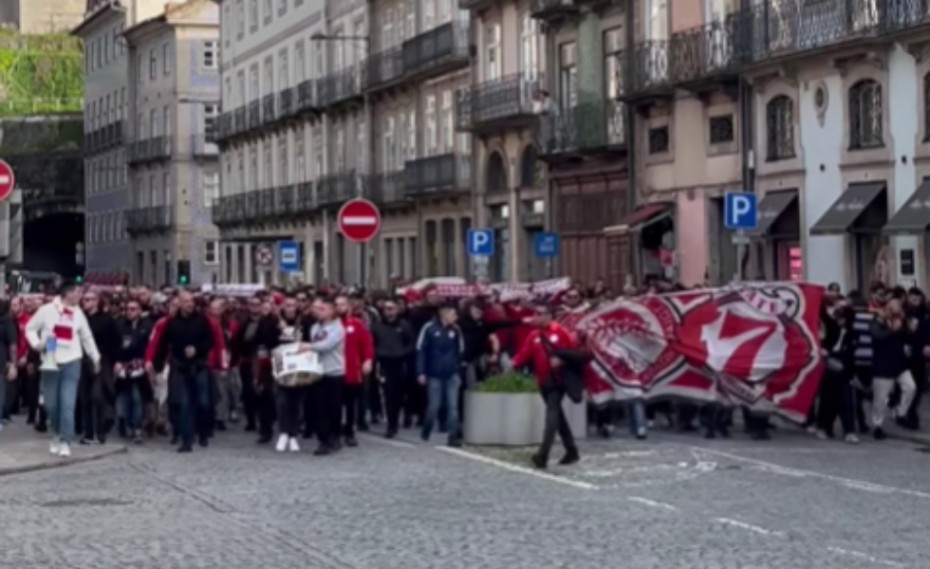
865	115
496	174
780	128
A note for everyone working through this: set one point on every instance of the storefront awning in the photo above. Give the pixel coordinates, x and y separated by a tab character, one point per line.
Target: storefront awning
641	216
774	209
914	215
862	208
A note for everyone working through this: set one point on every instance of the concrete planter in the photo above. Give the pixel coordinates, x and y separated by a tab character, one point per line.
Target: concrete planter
515	419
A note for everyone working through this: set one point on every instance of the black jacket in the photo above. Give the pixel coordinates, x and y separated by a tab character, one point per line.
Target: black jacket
106	335
267	335
844	351
134	339
888	355
9	342
476	334
183	331
393	340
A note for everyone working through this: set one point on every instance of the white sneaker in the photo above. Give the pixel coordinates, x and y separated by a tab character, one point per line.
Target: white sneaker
55	446
851	438
282	443
293	445
822	435
65	450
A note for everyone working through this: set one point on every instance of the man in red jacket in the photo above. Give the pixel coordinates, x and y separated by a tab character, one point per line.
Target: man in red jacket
359	354
537	353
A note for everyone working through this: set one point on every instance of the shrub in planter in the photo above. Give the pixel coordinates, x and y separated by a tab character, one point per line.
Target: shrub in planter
504	410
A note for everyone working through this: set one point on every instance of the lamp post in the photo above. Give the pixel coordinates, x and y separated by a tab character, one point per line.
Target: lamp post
365	40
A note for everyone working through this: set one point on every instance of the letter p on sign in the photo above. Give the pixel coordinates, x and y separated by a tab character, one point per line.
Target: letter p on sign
740	211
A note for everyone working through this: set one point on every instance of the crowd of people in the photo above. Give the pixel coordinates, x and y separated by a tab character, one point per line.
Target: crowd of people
140	364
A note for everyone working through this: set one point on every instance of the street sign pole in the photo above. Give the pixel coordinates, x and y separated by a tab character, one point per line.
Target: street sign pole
740	214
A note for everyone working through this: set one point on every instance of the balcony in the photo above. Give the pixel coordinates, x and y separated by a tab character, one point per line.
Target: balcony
307	96
255	116
240	124
150	150
501	103
287	104
269	111
440	50
226	127
650	70
387	187
204	146
553	9
341	87
474	4
440	175
711	51
587	128
104	138
149	219
385	68
336	189
305	196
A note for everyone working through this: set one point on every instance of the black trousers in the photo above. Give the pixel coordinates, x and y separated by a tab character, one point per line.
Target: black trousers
351	395
326	395
555	421
266	408
249	394
395	390
290	408
836	399
190	398
94	404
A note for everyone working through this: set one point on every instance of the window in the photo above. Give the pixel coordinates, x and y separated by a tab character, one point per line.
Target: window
389	147
211	255
210	59
166	188
412	135
492	52
282	7
283	162
658	140
268	78
106	49
361	147
240	87
613	70
253	82
284	70
447	122
340	163
779	125
300	63
253	168
268	174
927	107
568	75
210	181
268	12
153	123
227	20
210	115
300	158
139	69
253	16
865	115
166	121
429	14
153	64
240	19
721	129
166	59
529	46
430	118
153	190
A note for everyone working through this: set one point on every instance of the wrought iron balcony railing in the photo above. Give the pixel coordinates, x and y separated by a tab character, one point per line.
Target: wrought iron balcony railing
385	68
255	115
387	187
269	112
341	86
649	62
711	50
240	123
226	127
306	197
285	201
553	9
150	150
307	95
440	50
149	219
497	102
335	189
287	104
584	128
445	173
104	138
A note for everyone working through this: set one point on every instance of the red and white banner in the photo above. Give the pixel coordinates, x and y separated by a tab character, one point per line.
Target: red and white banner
755	345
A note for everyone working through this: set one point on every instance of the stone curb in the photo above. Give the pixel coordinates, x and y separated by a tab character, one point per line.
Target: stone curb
908	436
57	463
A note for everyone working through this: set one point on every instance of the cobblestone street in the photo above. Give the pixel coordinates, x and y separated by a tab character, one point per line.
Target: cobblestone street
669	502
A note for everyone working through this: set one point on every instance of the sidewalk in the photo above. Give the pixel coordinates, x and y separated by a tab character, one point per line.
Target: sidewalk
922	436
24	450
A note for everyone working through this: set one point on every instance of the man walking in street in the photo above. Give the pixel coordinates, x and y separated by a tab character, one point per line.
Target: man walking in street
394	345
59	330
327	339
130	373
96	388
440	353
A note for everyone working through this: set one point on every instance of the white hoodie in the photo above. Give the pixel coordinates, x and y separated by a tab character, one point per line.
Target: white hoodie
68	325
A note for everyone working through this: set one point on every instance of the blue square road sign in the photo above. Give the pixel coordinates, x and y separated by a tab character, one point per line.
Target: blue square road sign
547	244
740	211
480	242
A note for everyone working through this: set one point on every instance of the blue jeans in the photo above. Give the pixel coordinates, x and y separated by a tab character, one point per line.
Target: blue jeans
130	404
190	395
60	389
637	416
443	392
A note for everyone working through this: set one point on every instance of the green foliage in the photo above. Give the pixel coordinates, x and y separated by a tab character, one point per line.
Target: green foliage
40	74
510	382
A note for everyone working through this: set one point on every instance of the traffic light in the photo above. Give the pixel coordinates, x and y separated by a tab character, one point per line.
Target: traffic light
79	279
184	272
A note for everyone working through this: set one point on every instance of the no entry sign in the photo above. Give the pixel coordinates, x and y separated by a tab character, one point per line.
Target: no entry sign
359	220
7	180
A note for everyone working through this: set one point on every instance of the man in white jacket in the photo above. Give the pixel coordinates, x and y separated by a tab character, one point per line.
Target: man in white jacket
61	326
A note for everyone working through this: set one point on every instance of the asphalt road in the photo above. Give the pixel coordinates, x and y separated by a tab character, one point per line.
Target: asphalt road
672	501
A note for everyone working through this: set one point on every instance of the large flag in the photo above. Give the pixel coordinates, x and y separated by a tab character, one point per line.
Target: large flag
753	344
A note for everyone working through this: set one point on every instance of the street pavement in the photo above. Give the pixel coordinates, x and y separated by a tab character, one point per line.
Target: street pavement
671	501
23	450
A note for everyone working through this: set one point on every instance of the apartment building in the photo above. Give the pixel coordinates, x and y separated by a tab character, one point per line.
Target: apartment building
318	109
174	105
582	138
43	16
106	67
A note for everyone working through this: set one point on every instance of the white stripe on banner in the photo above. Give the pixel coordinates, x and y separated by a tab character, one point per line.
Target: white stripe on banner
359	220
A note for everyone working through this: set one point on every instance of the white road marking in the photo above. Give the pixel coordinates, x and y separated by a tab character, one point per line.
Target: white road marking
749	527
652	503
850	483
359	220
865	556
519	469
389	442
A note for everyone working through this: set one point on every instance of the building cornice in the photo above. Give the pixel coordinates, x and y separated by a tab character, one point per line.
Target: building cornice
97	16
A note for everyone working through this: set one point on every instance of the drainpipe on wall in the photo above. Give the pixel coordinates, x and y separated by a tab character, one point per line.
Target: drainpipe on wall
630	131
748	141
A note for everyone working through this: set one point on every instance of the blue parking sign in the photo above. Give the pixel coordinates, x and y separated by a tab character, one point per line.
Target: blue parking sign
480	242
740	211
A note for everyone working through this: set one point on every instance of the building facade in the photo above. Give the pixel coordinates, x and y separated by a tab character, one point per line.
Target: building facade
318	109
42	16
106	187
174	102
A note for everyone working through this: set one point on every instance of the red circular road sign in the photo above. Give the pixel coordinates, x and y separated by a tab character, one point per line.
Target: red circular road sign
359	220
7	180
